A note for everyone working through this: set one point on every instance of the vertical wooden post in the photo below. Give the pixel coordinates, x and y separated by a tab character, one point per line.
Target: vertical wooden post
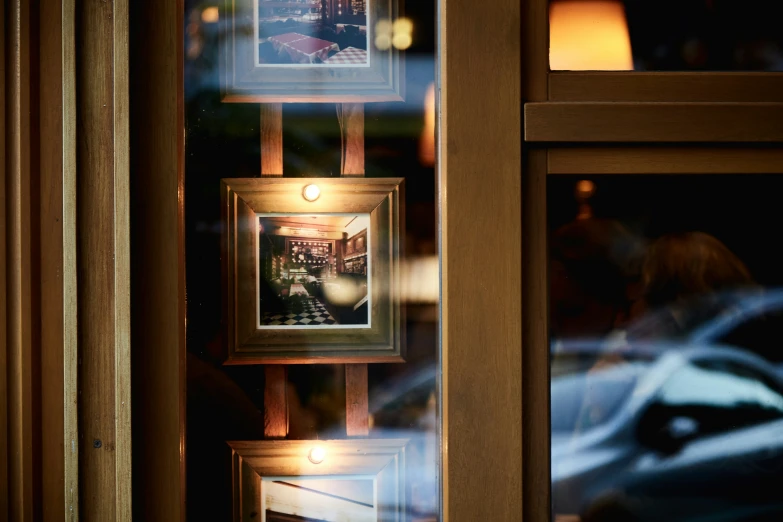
271	140
103	196
159	356
19	325
4	339
276	382
275	402
353	139
59	290
357	417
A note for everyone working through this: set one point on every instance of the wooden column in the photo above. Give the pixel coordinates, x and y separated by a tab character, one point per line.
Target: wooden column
352	128
272	140
4	294
481	198
357	418
59	468
276	381
104	261
275	402
157	166
18	367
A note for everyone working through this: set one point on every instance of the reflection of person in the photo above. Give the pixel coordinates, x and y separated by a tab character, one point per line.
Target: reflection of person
594	265
683	274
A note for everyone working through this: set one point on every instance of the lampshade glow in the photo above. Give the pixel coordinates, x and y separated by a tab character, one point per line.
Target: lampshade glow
589	35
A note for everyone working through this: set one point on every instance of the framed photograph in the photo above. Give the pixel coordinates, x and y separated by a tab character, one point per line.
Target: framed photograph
311	270
323	481
276	51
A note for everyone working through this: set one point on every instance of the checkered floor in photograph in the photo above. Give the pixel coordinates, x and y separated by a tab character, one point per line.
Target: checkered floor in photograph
318	315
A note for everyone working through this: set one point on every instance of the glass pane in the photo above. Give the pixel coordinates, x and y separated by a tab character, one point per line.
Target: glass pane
666	353
294	283
691	35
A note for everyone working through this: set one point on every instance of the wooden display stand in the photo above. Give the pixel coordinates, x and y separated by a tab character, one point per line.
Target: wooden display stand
351	118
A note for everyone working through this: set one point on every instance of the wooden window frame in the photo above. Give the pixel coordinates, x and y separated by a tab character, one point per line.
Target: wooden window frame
595	123
480	132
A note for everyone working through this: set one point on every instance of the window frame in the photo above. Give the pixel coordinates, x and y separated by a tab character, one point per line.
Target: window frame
592	122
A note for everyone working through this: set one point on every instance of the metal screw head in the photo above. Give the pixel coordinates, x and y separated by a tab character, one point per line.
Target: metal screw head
97	443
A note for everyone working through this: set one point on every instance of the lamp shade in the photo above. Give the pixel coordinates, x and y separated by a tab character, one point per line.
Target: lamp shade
589	35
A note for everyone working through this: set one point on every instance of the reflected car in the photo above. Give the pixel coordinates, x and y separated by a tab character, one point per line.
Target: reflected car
661	434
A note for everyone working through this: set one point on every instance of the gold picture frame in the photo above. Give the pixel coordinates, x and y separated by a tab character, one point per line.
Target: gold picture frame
246	79
275	480
286	311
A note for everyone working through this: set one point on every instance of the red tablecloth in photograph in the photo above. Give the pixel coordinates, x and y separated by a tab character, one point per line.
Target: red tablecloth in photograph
349	55
309	50
282	39
303	49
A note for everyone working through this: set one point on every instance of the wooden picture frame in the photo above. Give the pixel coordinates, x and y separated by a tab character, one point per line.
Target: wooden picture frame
265	473
256	336
245	79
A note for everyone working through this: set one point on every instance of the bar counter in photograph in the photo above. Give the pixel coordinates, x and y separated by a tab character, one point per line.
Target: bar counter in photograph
313	271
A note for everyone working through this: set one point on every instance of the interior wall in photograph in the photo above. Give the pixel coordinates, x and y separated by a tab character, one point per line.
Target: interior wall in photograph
313	33
313	271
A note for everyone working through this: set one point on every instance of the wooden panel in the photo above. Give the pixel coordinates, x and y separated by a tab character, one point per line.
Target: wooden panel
651	122
158	271
59	357
665	160
4	293
351	119
357	418
535	45
272	139
275	402
19	283
535	340
480	138
665	87
104	271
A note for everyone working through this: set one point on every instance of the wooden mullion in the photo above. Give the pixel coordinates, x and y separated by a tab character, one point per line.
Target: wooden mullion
357	416
353	139
272	140
276	381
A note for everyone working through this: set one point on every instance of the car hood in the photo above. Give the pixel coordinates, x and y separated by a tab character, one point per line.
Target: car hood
574	455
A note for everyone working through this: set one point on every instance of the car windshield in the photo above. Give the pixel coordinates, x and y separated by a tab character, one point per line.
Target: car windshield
584	400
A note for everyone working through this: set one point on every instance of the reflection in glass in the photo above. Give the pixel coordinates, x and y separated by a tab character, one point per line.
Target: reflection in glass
667	35
223	140
667	384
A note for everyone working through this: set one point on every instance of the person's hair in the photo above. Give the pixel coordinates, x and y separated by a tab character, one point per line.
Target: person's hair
600	255
689	265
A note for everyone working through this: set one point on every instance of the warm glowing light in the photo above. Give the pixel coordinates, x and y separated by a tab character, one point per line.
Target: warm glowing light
317	455
210	15
589	35
402	40
383	35
402	25
383	42
427	141
383	27
311	192
585	188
